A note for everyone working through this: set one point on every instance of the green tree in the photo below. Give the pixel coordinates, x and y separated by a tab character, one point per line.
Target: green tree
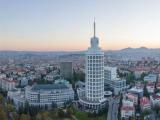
61	113
1	98
130	78
15	115
119	108
24	117
3	115
146	94
45	116
38	116
10	107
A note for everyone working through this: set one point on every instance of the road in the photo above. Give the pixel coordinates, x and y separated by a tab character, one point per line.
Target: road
113	109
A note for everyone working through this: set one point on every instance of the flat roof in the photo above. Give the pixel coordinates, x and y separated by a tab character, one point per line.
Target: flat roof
49	87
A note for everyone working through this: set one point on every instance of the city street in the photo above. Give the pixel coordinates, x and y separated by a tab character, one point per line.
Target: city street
113	110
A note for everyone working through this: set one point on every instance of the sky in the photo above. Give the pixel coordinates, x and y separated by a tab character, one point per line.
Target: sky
67	25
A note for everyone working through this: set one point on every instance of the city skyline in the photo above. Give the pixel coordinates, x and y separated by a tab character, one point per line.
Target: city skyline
67	26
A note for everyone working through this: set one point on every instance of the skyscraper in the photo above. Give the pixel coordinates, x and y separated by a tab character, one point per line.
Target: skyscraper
94	79
66	70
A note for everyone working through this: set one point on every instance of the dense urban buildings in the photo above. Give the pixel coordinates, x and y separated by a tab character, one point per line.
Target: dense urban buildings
45	95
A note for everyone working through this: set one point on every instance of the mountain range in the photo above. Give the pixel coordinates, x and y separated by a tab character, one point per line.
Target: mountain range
126	53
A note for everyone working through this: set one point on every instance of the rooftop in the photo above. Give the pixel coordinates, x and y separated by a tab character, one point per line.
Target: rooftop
127	108
144	101
49	87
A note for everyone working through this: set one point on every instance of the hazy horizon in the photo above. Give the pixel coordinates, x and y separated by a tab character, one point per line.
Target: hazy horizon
75	50
68	25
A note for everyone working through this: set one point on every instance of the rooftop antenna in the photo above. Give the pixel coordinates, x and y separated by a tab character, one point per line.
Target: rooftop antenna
94	28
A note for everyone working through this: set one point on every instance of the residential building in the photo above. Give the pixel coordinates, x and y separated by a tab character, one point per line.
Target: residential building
8	84
136	90
18	97
155	100
111	80
127	111
150	87
150	78
158	85
132	97
145	104
127	102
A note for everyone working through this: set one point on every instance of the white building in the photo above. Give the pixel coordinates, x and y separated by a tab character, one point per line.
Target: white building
127	102
43	95
7	84
110	73
110	78
17	96
136	90
150	87
150	78
46	95
155	100
2	76
94	79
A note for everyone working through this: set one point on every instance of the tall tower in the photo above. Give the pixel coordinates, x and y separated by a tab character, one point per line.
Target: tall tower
94	69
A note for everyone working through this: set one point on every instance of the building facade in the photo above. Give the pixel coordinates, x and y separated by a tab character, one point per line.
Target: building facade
66	70
94	79
111	80
58	94
48	94
8	84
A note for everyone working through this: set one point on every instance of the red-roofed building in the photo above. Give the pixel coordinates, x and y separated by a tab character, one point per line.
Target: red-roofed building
132	97
145	103
127	111
8	84
158	85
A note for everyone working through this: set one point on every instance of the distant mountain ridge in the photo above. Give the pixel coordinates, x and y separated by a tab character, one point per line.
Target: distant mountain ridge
126	53
134	53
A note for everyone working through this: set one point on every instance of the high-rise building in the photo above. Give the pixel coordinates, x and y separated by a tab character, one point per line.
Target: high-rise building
66	70
94	79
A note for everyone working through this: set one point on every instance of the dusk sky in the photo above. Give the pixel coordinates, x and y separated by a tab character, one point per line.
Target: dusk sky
47	25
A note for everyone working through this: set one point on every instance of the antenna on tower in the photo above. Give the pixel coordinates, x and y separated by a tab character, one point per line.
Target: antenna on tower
94	28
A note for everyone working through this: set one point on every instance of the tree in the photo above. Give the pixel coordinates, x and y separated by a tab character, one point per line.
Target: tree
9	107
38	116
45	116
130	78
24	117
1	98
26	107
146	94
61	113
143	75
3	115
119	108
15	115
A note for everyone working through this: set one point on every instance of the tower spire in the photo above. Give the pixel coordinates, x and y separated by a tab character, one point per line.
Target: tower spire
94	28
